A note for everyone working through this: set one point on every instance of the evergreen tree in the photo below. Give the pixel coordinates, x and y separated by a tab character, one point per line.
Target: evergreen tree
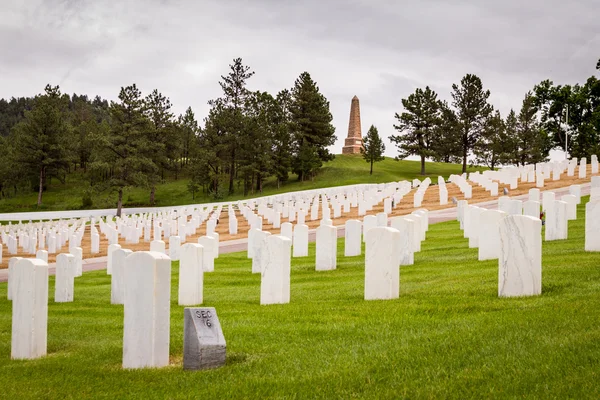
534	144
188	129
232	103
373	147
417	125
472	110
511	131
42	137
312	130
123	152
446	148
492	147
282	140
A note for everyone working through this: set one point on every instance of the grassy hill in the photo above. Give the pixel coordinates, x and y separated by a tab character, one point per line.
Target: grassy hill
343	170
448	335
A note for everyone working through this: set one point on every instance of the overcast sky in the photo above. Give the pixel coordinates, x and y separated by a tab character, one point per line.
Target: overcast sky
378	50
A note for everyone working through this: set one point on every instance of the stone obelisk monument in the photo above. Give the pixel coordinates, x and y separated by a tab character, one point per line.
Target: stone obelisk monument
353	142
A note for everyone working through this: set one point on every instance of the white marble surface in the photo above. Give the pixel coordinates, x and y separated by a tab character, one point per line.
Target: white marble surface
275	275
208	245
474	217
353	236
158	246
191	275
369	222
78	253
300	245
532	208
260	251
547	198
11	275
489	234
520	262
382	219
382	272
534	194
174	247
405	226
575	190
592	226
287	230
117	280
326	248
147	310
571	201
416	226
556	221
65	278
29	334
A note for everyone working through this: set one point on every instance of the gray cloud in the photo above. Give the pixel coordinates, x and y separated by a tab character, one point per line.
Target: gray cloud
378	50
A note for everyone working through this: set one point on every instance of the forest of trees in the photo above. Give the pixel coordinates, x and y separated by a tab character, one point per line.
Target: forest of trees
249	137
470	127
137	141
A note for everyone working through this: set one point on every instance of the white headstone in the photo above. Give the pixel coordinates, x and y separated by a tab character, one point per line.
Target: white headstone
326	248
489	234
78	253
191	275
406	227
117	281
300	246
147	310
571	201
556	221
520	262
260	251
353	242
369	222
65	278
275	274
42	255
287	230
382	270
158	246
29	309
531	208
109	258
174	247
208	246
592	226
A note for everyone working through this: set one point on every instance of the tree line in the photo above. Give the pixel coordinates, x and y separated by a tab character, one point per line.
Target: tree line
469	127
137	140
251	136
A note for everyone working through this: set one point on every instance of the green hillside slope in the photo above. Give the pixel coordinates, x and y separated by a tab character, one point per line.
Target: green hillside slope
343	170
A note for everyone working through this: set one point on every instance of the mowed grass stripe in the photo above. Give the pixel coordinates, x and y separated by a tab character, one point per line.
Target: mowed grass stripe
447	336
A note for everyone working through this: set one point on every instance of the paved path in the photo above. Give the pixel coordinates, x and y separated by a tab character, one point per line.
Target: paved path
233	246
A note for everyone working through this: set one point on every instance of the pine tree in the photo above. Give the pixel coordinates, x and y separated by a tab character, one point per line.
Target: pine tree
373	147
472	110
232	105
492	147
417	125
123	152
282	140
446	148
42	139
312	130
534	144
161	138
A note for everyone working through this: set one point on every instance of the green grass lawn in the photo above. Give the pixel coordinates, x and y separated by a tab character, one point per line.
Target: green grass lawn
447	336
343	170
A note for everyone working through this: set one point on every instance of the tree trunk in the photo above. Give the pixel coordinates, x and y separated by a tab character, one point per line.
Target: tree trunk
464	167
120	203
371	173
422	165
231	175
152	192
39	201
